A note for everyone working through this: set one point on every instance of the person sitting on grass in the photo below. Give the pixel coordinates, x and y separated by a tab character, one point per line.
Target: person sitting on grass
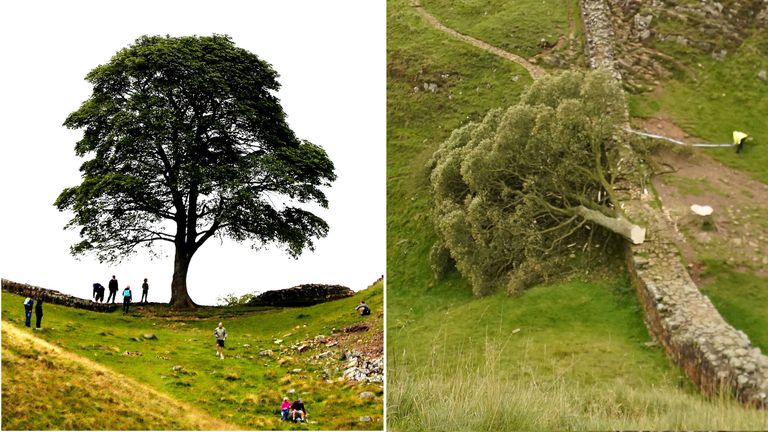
221	335
363	308
298	412
285	409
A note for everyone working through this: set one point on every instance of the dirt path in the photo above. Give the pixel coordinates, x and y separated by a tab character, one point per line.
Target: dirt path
127	387
535	71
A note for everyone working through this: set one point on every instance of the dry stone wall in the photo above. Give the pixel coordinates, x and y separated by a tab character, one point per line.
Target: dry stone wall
714	355
55	297
302	295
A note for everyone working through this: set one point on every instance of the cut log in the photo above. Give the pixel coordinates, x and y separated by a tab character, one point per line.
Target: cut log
619	225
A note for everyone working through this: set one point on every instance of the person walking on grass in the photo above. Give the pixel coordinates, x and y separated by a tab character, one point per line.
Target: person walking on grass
28	302
144	291
221	335
38	313
127	297
112	289
285	409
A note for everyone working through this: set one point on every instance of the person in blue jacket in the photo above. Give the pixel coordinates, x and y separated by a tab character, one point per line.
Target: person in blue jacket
127	297
28	304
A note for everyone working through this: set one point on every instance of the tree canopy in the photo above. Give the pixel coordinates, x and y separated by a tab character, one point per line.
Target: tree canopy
185	140
517	193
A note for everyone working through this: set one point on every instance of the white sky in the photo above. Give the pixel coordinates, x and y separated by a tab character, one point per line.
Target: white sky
331	59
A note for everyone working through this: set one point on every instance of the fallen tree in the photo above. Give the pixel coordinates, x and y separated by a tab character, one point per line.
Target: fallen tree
518	193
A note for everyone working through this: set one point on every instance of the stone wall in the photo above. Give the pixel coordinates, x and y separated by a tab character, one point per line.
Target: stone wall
55	297
302	295
648	31
714	355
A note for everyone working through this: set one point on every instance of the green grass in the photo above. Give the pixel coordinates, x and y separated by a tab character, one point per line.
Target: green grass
245	388
517	26
581	358
485	399
720	98
738	297
693	186
45	389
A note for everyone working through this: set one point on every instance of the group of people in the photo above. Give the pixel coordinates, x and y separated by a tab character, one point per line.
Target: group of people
294	412
29	304
98	293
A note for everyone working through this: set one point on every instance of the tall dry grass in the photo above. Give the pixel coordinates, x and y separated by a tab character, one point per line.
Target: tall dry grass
470	398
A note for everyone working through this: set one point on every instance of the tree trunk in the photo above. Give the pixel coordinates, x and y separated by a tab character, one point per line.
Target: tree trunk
619	225
179	297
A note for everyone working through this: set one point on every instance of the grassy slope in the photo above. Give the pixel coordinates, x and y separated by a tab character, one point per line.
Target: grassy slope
720	97
515	26
578	361
245	388
45	388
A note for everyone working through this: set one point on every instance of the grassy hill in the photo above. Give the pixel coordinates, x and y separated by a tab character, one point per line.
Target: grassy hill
244	390
45	387
571	355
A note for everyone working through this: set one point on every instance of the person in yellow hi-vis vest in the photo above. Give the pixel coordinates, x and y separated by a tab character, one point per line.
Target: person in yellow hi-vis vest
738	140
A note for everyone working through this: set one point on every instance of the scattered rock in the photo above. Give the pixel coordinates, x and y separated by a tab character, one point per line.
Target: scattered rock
291	391
430	87
177	368
367	395
277	341
246	346
266	353
762	75
366	419
296	371
302	348
132	353
149	336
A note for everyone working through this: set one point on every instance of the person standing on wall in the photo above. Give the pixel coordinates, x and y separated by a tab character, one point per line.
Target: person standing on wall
127	297
112	289
38	313
144	291
98	292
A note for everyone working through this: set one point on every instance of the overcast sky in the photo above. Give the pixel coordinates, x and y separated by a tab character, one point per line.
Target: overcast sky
331	59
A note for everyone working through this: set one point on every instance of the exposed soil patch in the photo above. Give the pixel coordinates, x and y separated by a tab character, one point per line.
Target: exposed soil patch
664	126
737	229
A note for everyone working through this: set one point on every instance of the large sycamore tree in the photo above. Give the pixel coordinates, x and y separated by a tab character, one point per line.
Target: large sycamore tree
520	193
185	140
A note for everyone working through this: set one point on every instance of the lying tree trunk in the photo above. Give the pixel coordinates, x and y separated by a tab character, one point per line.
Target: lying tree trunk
619	225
